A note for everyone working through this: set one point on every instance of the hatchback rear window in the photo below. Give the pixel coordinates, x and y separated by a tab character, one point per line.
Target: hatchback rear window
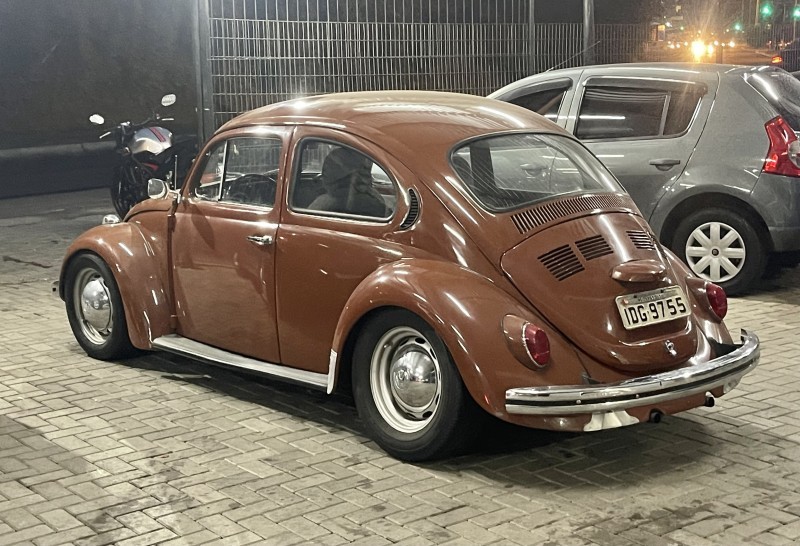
511	171
782	91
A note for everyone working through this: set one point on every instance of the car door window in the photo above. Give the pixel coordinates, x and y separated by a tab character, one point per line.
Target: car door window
336	180
620	112
242	170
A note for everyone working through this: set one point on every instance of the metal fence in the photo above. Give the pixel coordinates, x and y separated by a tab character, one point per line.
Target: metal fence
263	51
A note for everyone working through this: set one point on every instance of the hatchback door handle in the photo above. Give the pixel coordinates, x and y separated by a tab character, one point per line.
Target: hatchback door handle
260	240
664	164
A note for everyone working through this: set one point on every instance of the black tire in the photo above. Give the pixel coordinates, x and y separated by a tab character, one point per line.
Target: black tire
737	240
101	329
129	187
454	420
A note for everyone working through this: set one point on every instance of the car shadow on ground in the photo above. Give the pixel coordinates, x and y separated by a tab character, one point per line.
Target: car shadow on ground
540	458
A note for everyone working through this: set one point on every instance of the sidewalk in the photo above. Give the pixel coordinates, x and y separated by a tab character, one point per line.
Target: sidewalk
162	450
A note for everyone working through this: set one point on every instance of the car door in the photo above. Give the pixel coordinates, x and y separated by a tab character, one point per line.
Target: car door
223	254
642	126
331	239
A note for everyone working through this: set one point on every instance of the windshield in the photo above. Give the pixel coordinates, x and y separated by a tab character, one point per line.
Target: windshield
782	91
511	171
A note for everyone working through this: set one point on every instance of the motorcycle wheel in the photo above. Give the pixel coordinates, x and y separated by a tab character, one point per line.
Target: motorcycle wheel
128	188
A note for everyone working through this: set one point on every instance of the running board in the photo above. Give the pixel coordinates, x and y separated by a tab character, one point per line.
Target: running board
186	347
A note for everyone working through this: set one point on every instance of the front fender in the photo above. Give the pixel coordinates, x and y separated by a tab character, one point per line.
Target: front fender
466	310
138	273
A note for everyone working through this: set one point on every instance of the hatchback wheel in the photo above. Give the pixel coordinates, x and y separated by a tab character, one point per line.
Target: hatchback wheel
722	247
408	391
94	309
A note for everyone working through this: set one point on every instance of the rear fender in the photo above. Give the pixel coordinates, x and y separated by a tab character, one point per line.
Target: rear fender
466	310
136	270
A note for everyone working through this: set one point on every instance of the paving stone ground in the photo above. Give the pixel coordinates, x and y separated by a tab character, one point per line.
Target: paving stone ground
162	450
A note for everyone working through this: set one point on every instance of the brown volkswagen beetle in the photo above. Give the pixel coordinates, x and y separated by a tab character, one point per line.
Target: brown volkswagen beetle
448	256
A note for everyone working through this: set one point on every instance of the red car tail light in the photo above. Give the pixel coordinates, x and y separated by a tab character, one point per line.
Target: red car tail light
527	342
782	157
717	299
776	59
536	344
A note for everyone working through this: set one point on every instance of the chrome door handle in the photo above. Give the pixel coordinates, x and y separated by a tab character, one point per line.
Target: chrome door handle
260	240
664	164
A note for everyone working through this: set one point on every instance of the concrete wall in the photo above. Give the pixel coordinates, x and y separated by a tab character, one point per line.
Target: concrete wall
63	60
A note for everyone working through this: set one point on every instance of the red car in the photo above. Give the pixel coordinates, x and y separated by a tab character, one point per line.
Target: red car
447	257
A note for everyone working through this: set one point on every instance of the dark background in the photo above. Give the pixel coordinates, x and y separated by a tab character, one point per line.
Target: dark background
62	60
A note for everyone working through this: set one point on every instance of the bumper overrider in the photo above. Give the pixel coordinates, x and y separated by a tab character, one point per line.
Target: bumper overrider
724	371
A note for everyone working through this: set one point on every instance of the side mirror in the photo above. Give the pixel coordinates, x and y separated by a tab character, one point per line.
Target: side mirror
157	188
168	100
97	119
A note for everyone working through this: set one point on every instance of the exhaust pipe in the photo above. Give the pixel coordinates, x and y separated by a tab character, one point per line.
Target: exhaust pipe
710	401
656	416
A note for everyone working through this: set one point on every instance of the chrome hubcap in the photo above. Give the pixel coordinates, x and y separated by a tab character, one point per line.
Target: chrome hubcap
715	252
93	306
405	379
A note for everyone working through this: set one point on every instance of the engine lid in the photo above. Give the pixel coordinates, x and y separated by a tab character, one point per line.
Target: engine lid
594	278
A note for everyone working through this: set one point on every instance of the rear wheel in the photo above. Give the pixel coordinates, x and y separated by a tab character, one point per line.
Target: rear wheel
722	247
94	309
408	391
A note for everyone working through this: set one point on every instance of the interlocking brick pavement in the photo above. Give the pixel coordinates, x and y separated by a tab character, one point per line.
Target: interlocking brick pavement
162	450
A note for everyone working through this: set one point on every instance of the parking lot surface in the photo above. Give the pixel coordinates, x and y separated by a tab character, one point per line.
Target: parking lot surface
160	449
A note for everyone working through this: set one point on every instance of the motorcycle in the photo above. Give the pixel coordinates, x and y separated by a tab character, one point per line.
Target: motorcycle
146	151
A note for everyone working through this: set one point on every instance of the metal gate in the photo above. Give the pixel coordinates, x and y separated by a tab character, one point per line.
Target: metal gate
257	52
264	51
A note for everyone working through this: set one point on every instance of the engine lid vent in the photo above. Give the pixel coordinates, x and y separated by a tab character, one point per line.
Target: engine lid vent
413	210
641	239
561	262
539	215
593	247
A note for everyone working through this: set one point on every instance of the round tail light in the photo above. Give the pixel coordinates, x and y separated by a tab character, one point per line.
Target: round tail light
536	344
717	299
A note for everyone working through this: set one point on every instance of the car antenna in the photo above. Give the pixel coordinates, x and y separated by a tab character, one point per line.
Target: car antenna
581	52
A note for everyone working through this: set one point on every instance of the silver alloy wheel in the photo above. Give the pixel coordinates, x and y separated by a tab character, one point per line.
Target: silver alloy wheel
93	307
715	251
405	379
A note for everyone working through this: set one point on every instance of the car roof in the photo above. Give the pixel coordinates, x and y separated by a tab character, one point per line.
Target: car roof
685	71
412	118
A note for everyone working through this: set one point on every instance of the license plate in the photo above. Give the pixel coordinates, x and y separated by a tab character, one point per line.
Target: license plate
646	308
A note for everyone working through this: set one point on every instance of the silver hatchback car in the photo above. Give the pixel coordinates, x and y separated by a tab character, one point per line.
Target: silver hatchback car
708	152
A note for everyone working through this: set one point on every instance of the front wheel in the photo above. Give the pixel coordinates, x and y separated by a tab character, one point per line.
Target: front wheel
722	247
94	309
408	391
129	187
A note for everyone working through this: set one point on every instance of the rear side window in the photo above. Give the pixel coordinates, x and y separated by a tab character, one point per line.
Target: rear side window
628	112
782	91
546	103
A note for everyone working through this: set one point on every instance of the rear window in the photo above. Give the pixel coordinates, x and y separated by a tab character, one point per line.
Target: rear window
782	91
511	171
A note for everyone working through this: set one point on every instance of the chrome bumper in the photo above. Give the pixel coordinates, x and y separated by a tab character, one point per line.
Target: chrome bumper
724	371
